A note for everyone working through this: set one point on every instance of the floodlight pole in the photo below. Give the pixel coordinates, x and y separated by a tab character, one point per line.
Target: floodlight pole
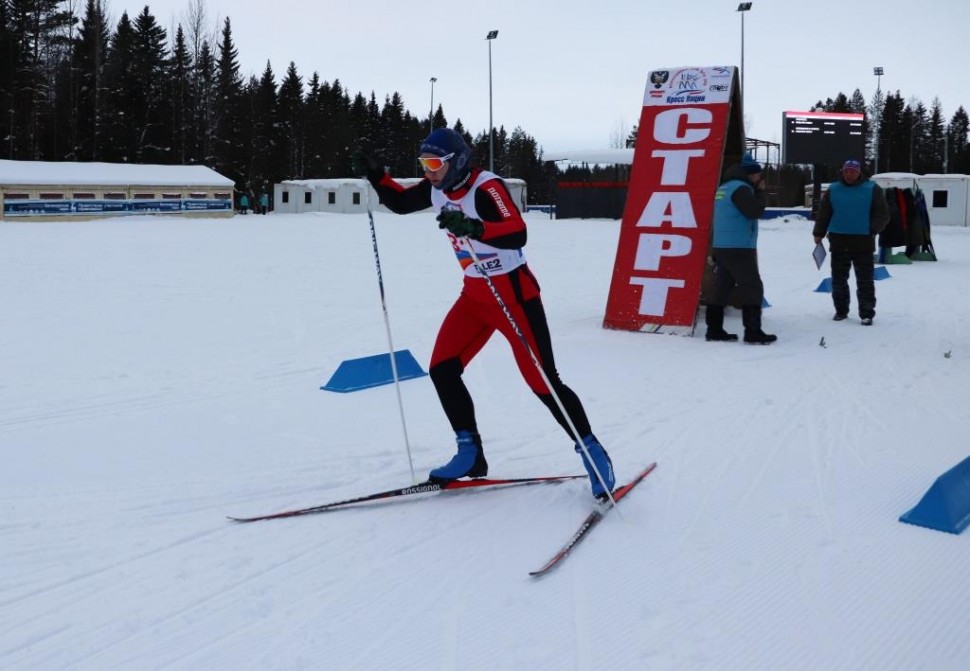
431	115
744	7
878	71
492	34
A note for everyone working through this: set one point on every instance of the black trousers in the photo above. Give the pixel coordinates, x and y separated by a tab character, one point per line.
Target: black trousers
863	263
737	267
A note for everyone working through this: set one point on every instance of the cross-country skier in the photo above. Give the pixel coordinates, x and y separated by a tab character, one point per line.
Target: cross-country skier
475	208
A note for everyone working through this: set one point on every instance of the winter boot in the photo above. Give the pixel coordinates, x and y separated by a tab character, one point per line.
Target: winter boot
603	465
469	462
714	316
753	335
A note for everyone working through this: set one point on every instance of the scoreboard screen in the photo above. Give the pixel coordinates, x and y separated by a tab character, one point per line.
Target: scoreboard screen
827	138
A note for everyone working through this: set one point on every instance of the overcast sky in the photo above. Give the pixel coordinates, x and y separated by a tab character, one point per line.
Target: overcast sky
572	73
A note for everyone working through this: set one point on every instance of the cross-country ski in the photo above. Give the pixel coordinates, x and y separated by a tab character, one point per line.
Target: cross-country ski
478	484
591	521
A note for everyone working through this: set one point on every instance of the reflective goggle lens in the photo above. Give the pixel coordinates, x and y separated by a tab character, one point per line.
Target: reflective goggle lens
434	163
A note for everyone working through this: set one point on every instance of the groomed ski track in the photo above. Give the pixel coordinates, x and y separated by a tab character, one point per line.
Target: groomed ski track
175	380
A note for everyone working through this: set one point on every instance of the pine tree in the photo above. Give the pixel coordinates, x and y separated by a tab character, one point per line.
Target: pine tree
204	86
918	136
122	103
227	155
151	103
90	56
180	97
290	122
39	28
9	55
399	154
958	149
932	155
266	162
894	135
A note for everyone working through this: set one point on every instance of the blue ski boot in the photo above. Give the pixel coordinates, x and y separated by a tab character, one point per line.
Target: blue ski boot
468	463
603	465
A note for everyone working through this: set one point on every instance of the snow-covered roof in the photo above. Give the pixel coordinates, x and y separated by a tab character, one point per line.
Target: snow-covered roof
325	183
619	156
954	176
338	182
108	174
895	175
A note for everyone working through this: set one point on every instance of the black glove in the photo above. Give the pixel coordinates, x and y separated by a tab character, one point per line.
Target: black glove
458	224
365	166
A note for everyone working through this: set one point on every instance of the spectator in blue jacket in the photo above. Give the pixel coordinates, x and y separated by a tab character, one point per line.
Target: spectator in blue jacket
738	203
852	212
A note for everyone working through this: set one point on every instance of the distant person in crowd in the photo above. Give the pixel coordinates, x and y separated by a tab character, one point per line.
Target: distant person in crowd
477	212
244	203
263	202
738	204
852	212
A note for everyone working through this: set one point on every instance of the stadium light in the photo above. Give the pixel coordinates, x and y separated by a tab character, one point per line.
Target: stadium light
875	136
431	115
492	34
743	8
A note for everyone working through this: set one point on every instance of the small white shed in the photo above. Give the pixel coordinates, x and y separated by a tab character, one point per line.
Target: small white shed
349	195
947	196
68	190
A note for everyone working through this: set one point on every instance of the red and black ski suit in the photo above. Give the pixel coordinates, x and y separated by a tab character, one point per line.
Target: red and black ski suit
476	315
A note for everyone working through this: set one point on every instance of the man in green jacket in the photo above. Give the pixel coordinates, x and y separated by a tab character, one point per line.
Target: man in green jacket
852	212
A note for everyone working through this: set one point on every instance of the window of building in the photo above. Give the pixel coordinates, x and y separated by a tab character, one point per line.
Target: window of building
144	196
114	195
221	195
940	198
16	196
171	196
286	199
51	196
357	202
331	197
83	195
308	198
198	194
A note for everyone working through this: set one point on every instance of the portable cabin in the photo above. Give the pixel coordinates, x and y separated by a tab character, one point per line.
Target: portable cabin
947	196
349	195
64	191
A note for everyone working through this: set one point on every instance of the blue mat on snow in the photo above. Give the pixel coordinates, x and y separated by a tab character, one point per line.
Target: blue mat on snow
878	273
373	371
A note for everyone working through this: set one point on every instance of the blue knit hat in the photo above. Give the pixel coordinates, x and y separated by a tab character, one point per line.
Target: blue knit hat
749	165
852	164
444	141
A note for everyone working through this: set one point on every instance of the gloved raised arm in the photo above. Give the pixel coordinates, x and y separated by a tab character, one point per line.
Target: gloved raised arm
366	166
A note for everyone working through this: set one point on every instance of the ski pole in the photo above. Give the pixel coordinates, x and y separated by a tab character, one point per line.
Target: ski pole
387	326
535	361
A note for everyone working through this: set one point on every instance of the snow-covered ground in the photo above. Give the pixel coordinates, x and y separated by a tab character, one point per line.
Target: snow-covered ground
158	374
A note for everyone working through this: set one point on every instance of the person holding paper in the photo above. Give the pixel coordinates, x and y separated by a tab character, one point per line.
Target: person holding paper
852	212
738	203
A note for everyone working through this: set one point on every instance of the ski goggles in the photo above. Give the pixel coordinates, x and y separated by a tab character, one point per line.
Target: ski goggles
434	163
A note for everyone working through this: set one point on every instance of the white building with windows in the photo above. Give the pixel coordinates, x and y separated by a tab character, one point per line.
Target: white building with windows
46	191
947	196
349	195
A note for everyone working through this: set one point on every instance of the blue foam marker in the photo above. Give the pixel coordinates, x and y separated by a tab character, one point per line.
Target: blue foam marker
946	504
373	371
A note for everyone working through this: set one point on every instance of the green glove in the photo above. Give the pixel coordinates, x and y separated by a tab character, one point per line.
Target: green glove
365	166
458	224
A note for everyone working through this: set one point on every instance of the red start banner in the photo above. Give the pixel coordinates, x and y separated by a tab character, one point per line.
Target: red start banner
665	233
